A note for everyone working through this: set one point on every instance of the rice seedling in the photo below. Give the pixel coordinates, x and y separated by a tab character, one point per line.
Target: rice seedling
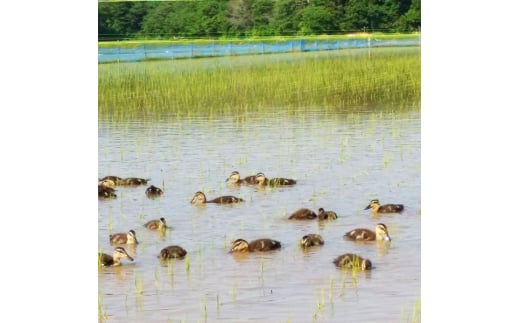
218	302
187	264
331	286
261	275
138	282
390	75
204	309
234	292
101	314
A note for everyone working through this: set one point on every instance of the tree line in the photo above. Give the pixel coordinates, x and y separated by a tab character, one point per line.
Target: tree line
249	18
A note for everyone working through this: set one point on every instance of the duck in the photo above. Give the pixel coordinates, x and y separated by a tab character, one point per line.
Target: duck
352	261
326	215
303	214
200	197
114	259
115	179
106	192
124	238
235	179
154	191
264	181
107	183
380	234
134	181
171	252
310	240
265	244
156	224
387	208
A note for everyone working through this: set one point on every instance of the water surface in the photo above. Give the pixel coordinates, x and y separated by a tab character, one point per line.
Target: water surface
341	162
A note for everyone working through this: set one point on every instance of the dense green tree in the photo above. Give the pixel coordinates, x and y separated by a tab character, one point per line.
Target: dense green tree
286	14
220	18
316	20
213	18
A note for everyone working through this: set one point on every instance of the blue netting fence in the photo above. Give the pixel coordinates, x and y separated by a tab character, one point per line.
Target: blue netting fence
148	52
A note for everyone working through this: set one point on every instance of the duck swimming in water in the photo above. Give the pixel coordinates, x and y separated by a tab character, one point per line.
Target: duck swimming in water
114	259
352	261
124	238
381	233
241	245
386	208
200	198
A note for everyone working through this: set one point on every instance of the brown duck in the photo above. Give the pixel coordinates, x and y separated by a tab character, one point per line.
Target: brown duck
234	178
264	181
156	224
241	245
381	233
114	259
124	238
154	191
200	198
172	252
310	240
106	192
386	208
303	214
326	215
352	261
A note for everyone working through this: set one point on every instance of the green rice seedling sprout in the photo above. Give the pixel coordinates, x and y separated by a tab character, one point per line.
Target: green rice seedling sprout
156	279
138	282
218	302
204	309
261	275
110	223
101	313
234	292
187	264
387	159
331	286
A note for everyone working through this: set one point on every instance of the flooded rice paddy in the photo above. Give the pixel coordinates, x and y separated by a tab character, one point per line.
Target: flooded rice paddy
340	161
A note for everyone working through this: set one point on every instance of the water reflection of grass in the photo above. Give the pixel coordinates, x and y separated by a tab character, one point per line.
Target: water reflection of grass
127	90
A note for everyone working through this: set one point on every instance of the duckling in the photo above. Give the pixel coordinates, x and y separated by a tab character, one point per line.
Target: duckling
154	191
115	179
106	192
303	214
352	261
241	245
200	197
381	233
235	179
156	224
387	208
124	238
115	259
134	181
107	183
171	252
262	180
310	240
326	215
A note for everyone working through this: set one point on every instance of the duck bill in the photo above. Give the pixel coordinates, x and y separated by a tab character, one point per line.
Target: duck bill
129	257
193	200
368	207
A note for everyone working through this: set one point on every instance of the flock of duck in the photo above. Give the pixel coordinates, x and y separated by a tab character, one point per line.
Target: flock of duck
106	189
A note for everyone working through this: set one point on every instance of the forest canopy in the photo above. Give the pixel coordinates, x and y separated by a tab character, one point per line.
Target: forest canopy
250	18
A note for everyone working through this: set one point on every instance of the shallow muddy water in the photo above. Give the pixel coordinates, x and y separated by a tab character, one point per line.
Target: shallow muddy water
340	162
